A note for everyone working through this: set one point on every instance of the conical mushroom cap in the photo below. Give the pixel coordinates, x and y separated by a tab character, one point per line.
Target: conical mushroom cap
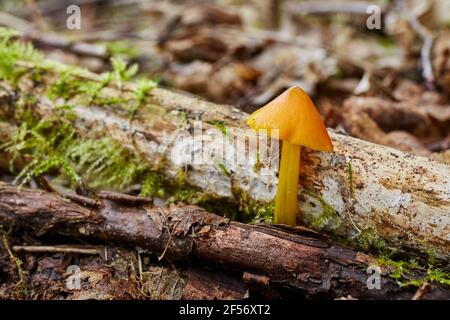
297	119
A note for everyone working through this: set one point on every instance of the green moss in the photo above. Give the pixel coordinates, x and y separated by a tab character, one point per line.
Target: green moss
121	49
387	43
438	276
183	116
70	81
186	194
369	241
180	178
251	210
192	195
328	213
10	52
37	75
257	164
42	144
121	71
181	191
153	185
178	190
224	169
69	85
350	179
106	163
143	87
432	256
260	212
51	145
66	87
219	125
411	273
93	90
106	101
400	269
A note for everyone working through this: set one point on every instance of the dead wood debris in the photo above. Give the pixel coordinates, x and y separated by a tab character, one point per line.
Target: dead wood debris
421	292
268	260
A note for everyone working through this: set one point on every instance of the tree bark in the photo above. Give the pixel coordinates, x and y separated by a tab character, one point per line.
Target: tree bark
362	186
304	262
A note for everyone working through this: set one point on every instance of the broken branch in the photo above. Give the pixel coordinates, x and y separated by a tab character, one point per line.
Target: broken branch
309	264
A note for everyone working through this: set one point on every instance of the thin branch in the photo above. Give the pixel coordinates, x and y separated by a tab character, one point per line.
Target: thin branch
56	249
50	39
421	292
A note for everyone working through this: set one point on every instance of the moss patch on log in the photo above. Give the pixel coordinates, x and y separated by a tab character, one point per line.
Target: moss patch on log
412	273
50	144
350	179
220	125
328	215
369	241
251	210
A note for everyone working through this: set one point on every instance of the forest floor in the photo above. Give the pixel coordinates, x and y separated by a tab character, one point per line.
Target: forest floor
388	85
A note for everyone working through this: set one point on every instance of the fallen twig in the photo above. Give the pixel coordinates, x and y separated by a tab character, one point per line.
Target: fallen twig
421	292
56	249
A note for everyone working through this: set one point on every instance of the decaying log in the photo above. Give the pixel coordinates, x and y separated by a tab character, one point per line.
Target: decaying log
404	198
305	261
50	268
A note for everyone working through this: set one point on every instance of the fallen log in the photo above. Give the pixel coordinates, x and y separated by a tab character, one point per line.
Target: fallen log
304	262
48	271
401	198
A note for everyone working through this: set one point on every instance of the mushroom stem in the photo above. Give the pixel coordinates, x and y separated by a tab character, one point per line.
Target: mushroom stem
286	199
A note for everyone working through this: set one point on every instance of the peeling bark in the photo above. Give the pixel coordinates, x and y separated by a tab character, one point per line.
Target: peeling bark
304	262
202	284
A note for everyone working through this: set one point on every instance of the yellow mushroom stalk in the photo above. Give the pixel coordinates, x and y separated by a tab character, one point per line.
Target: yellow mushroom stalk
299	124
286	199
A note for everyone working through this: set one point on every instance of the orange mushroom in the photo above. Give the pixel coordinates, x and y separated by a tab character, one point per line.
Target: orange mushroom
299	124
